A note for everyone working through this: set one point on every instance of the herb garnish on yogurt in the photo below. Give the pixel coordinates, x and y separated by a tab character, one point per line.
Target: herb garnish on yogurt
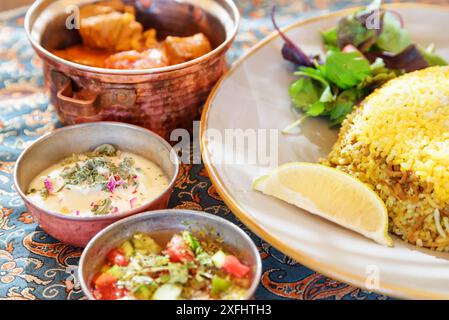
103	181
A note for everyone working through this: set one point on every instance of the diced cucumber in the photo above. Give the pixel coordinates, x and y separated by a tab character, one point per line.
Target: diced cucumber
145	244
104	268
144	292
219	285
127	248
191	240
115	271
179	273
204	259
219	259
167	291
163	278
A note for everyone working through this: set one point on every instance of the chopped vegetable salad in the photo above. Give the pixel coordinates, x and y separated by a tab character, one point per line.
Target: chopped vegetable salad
185	268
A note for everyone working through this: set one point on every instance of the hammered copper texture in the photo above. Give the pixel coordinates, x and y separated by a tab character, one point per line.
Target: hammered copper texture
163	102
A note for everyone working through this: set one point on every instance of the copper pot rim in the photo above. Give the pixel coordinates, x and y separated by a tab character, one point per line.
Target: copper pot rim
107	217
164	212
223	47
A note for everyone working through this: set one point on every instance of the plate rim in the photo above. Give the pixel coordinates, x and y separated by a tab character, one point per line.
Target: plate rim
324	268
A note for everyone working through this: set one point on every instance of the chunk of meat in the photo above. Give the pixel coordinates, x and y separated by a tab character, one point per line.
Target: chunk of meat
151	58
182	49
114	31
113	38
105	7
149	39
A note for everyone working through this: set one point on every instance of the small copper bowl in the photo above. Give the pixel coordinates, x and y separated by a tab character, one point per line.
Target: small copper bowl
160	99
61	143
173	220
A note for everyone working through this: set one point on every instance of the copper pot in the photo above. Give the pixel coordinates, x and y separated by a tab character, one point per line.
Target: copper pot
160	99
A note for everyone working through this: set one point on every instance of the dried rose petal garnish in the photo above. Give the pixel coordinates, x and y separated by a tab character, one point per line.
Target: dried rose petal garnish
112	183
48	185
133	202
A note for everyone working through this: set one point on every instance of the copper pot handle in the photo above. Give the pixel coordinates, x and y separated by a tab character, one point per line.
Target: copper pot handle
75	106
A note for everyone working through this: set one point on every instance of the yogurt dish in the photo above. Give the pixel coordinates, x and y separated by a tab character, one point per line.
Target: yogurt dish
103	181
79	179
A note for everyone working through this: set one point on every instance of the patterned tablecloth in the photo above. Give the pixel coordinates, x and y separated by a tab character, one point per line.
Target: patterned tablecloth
35	266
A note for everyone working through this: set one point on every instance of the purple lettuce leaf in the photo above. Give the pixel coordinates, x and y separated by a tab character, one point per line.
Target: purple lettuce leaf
408	60
290	51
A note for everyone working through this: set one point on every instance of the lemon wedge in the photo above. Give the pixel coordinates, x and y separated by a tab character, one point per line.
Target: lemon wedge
331	194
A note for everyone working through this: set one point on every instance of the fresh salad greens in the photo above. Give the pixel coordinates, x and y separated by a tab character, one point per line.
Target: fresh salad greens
363	51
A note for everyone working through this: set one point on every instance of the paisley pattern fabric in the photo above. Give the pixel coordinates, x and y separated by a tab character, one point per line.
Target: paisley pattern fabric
35	266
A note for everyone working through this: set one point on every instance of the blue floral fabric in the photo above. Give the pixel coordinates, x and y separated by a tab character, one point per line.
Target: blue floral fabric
35	266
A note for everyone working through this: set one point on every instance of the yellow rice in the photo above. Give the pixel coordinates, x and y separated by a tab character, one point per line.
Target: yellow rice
397	142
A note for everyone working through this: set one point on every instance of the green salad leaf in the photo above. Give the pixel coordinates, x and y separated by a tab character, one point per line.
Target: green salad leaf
330	38
331	89
334	88
316	74
316	109
304	92
191	240
376	80
432	58
345	69
351	30
343	105
393	38
360	57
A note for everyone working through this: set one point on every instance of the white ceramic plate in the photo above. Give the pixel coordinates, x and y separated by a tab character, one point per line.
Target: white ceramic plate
253	95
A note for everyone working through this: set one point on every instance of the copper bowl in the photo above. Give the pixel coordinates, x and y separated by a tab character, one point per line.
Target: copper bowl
61	143
159	99
173	220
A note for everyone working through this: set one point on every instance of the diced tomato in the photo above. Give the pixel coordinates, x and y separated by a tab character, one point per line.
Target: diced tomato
110	293
233	266
350	48
104	280
192	271
118	257
106	288
178	250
